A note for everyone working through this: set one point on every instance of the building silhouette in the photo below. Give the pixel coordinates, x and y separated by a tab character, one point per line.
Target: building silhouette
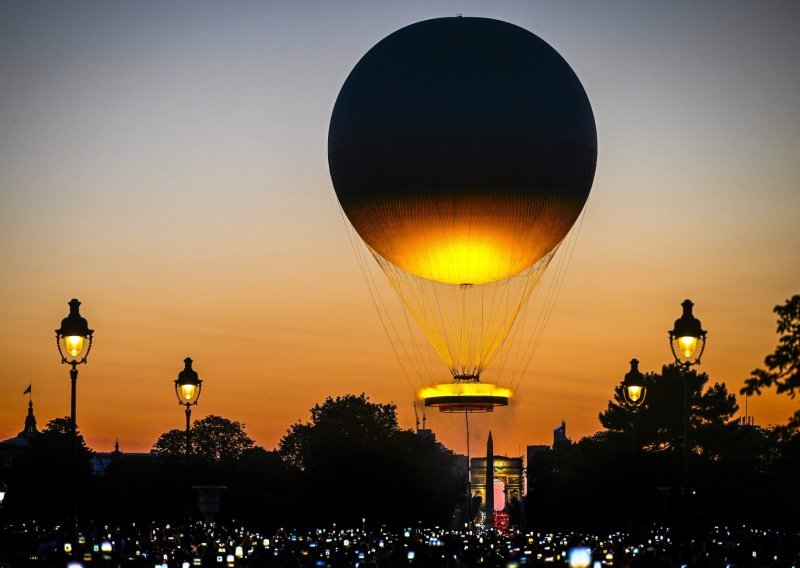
12	447
559	438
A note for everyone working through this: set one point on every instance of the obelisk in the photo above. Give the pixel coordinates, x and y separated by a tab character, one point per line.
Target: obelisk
489	481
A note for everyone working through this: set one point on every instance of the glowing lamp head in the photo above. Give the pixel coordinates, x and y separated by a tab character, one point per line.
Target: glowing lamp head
634	393
74	338
188	384
634	388
687	345
74	344
188	392
686	336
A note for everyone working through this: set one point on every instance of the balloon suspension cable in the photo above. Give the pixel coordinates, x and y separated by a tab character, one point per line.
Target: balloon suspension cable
524	354
380	307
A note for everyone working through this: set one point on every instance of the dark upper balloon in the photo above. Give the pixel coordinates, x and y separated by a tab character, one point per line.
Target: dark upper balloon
462	149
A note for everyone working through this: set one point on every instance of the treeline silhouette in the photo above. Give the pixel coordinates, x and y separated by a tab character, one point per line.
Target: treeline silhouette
633	471
350	462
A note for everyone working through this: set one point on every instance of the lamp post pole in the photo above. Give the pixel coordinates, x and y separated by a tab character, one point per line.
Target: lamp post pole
74	341
634	391
187	388
73	443
687	340
188	491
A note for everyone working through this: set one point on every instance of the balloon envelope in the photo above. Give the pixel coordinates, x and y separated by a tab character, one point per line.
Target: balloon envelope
462	150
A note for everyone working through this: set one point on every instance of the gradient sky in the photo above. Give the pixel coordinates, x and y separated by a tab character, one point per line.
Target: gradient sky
166	164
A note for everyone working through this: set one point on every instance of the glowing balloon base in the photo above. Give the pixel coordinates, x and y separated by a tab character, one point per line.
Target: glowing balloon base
465	397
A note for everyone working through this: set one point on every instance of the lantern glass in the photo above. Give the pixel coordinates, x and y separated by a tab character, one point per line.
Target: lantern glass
687	348
74	348
73	345
634	393
188	392
687	345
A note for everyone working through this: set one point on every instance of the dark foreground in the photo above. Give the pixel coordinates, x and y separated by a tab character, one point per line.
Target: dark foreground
156	545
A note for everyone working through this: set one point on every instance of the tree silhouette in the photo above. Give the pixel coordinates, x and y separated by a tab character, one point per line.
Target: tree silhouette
343	421
783	365
659	422
356	463
213	438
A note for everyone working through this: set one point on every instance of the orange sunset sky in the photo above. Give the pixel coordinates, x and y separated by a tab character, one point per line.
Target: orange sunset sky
167	165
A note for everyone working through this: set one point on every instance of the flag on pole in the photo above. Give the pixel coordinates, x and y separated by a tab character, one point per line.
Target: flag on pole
28	390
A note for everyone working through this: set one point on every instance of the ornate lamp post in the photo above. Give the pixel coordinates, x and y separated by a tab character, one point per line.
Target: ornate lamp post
687	340
74	341
187	387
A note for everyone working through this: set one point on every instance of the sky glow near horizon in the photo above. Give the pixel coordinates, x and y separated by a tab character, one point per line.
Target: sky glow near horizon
167	165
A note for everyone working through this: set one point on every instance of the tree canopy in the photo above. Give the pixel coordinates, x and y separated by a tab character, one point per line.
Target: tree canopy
356	463
659	422
782	367
343	421
213	438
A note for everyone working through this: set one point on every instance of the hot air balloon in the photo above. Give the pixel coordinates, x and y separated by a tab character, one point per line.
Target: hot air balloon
462	151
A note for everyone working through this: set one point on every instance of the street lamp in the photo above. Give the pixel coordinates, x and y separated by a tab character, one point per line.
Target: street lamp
687	340
187	388
686	337
633	388
74	341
